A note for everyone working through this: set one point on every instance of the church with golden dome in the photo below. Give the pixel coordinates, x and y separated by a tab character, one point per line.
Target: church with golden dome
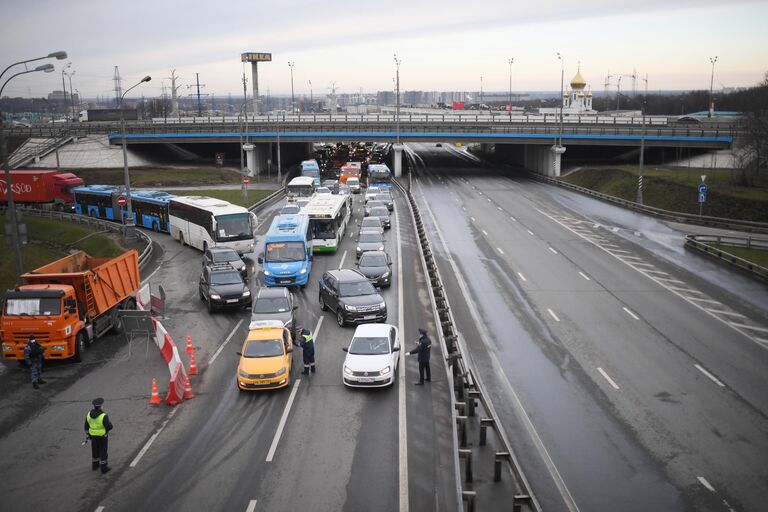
576	101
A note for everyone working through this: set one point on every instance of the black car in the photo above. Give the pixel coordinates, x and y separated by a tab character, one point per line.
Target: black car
352	297
386	198
377	267
383	214
221	286
218	255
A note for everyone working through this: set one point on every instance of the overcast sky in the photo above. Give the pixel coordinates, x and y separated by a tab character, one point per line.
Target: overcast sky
444	45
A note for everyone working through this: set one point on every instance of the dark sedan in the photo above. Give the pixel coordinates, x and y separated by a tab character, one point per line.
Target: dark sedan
377	267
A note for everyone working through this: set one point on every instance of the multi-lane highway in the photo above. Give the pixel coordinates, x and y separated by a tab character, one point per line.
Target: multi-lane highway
625	381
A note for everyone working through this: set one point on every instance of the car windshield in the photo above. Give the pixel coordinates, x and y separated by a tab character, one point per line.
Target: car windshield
233	226
370	238
271	305
226	278
375	203
290	209
380	211
324	229
370	222
369	346
323	190
286	251
224	256
353	181
356	289
45	306
373	260
383	197
263	348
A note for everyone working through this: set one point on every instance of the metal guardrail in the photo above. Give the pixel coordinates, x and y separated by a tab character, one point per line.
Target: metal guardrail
467	389
146	253
703	243
688	218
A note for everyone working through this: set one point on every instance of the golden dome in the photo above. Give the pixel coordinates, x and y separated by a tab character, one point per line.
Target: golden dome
581	94
578	81
565	95
589	94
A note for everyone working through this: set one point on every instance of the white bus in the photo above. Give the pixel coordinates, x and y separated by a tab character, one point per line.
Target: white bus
202	222
301	186
328	218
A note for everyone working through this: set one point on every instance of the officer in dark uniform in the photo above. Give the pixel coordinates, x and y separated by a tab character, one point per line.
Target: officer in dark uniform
33	355
307	345
97	427
423	349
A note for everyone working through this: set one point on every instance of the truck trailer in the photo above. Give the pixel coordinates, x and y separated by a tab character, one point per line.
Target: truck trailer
46	188
69	303
108	114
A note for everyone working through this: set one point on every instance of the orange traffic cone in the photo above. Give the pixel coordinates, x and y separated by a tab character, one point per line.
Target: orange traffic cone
155	398
192	365
190	349
187	389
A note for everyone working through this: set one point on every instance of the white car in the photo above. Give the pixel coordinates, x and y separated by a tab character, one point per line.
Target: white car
322	191
353	184
372	356
371	193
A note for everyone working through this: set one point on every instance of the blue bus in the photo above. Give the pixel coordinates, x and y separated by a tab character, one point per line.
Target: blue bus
380	176
287	256
150	207
310	168
98	201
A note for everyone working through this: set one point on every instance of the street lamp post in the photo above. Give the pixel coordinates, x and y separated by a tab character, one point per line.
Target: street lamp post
311	98
562	78
642	157
293	101
510	61
481	92
64	87
242	148
71	94
397	97
712	60
130	225
12	220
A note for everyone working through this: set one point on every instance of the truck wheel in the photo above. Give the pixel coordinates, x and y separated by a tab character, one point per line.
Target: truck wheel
80	345
181	238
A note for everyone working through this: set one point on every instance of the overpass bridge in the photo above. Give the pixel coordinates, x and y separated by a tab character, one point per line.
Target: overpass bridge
527	139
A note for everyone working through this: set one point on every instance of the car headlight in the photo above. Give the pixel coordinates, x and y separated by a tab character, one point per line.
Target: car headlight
359	250
303	271
279	372
381	248
267	272
215	296
247	293
385	275
242	268
350	308
385	370
58	347
382	305
347	370
242	373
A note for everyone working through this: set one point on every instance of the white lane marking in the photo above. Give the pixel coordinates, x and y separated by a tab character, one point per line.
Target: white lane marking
485	232
343	257
402	424
610	380
500	251
489	199
723	312
221	347
319	324
562	488
473	219
631	313
705	483
99	508
522	276
152	439
498	208
464	208
622	251
637	264
582	274
530	232
699	299
553	250
512	219
251	506
670	280
659	272
712	377
615	230
553	315
283	419
750	327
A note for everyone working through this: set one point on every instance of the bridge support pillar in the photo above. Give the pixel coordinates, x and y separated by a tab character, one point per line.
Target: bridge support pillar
541	159
250	164
398	159
557	156
256	158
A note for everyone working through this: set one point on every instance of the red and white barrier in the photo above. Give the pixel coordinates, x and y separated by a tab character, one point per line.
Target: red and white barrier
168	350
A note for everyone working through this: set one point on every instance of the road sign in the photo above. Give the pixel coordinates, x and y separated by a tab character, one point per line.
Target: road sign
703	188
703	198
121	201
703	178
246	180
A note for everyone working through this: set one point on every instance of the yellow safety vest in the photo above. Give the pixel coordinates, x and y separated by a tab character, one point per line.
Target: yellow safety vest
96	426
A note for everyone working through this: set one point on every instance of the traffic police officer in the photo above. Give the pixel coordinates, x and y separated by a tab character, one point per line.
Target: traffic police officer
423	349
97	427
33	355
308	350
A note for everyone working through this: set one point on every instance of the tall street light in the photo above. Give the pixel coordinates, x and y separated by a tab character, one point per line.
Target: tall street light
130	225
712	60
293	101
311	98
562	78
64	87
12	220
397	96
642	157
510	61
71	93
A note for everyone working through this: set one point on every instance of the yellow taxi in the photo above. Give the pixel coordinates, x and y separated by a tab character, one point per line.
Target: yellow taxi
265	359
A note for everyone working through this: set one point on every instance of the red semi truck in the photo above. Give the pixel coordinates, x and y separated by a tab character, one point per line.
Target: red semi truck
47	188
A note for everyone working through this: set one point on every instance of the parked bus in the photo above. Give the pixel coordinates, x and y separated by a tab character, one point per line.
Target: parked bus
98	201
150	209
310	168
301	186
203	222
328	217
287	256
380	176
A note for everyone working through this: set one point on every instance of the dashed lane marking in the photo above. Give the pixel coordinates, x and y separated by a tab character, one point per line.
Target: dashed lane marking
521	276
553	315
500	251
712	377
343	257
630	313
553	251
582	274
608	378
283	419
485	232
705	483
152	439
251	506
221	347
530	232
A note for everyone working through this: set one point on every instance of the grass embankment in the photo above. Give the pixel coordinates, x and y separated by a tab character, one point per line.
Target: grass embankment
675	189
58	234
756	256
234	196
151	177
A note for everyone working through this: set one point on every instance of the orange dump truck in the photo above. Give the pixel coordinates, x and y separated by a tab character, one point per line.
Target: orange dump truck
69	303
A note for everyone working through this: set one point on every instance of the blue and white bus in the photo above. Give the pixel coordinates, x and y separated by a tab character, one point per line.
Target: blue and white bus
380	176
287	257
99	201
328	218
310	168
150	209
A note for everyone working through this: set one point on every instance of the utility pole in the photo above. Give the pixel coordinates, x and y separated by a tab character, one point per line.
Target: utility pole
642	157
311	98
618	93
562	79
481	92
118	87
397	96
293	100
174	97
711	84
510	87
198	85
